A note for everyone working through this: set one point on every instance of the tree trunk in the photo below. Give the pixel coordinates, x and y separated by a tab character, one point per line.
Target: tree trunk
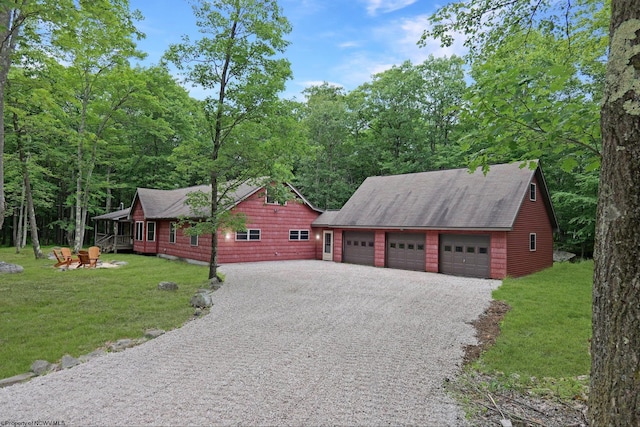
615	348
213	261
10	21
35	240
20	221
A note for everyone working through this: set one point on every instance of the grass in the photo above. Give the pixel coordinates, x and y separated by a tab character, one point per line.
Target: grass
46	313
544	339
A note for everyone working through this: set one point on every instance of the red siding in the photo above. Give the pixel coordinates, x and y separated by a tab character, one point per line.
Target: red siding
432	247
532	218
379	248
143	246
498	253
273	221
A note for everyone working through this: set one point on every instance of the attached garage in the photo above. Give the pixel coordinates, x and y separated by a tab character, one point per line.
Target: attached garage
465	255
406	251
359	247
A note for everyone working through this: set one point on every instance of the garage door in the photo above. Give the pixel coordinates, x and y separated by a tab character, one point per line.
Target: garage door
465	255
406	251
358	247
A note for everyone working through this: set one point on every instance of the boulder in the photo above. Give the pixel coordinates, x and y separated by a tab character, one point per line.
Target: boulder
5	267
563	256
202	299
168	286
41	367
68	361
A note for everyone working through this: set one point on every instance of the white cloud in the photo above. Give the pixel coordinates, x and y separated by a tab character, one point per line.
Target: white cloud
386	6
348	44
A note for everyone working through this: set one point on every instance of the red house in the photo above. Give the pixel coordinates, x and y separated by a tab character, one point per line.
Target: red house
490	225
452	221
274	231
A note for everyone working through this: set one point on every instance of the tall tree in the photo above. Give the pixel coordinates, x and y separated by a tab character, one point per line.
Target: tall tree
97	50
236	62
14	15
614	398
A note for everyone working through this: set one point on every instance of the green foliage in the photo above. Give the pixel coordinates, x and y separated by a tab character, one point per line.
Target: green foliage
47	313
547	331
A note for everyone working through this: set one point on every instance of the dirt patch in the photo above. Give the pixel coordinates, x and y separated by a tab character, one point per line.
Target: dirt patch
488	401
487	330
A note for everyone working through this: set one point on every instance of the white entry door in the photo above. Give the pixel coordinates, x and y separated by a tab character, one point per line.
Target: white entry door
327	245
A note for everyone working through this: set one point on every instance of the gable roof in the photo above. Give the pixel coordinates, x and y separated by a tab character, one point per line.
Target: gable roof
169	204
448	199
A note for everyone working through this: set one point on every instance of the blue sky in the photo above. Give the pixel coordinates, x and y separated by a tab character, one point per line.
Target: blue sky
343	42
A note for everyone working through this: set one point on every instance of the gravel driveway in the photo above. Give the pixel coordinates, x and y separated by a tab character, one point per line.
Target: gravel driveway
286	343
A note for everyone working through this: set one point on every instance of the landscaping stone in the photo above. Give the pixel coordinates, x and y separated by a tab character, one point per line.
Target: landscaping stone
168	286
41	367
563	256
5	267
202	299
153	333
68	361
96	353
16	379
124	344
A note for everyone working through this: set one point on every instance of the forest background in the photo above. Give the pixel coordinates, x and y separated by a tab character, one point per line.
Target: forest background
83	128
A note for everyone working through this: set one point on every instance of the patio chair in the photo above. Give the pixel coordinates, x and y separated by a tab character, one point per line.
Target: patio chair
83	259
94	254
69	259
61	261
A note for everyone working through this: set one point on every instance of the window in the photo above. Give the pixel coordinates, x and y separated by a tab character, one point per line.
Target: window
532	241
251	234
298	234
172	232
410	246
271	200
532	192
392	245
420	247
139	230
370	244
194	240
483	250
471	250
459	249
400	245
151	231
447	248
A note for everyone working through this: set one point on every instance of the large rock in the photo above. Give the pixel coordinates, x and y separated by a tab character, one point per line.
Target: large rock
68	361
153	333
168	286
202	299
563	256
41	367
5	267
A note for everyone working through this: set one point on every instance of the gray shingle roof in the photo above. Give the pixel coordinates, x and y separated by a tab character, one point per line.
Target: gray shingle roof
169	204
448	199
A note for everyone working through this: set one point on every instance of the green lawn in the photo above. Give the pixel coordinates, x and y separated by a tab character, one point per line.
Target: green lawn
46	313
546	333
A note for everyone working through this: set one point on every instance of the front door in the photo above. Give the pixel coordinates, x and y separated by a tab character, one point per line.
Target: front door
327	246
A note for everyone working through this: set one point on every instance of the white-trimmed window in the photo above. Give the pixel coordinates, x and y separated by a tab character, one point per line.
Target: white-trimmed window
250	234
298	234
151	231
532	192
194	240
532	242
172	232
139	230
